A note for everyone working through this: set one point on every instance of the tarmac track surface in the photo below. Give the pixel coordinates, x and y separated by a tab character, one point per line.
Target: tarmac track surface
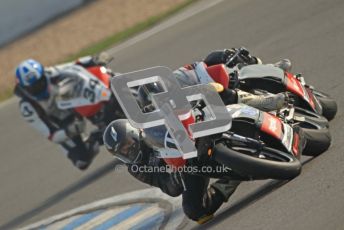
37	181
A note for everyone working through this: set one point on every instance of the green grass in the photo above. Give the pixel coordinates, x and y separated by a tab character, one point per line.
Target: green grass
127	33
6	93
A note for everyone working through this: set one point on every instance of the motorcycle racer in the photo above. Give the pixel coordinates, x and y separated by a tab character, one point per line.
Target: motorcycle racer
200	201
38	87
200	73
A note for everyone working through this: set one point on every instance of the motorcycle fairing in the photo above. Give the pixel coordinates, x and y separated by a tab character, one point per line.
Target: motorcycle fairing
219	74
314	100
295	86
88	90
164	145
260	71
272	126
291	83
296	143
288	138
267	123
161	141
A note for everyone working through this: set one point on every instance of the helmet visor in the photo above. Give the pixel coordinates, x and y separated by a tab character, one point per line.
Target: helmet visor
38	87
129	151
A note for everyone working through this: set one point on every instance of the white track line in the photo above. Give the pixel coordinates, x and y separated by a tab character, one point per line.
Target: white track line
137	218
101	218
118	201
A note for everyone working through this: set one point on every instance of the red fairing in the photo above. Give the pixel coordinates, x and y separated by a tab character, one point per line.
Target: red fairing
175	162
219	74
311	97
90	110
100	74
272	126
293	85
179	162
296	142
188	121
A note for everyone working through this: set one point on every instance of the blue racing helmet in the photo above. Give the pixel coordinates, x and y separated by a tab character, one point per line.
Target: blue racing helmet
30	76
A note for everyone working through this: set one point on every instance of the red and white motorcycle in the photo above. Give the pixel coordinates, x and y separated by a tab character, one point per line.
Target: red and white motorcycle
86	90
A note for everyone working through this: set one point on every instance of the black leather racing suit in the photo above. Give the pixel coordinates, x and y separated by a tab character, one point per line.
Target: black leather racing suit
199	199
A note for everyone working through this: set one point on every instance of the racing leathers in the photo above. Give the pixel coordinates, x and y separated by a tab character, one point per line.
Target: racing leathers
200	200
63	127
199	72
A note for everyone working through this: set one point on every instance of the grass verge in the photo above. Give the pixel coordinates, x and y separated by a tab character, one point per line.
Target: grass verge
6	93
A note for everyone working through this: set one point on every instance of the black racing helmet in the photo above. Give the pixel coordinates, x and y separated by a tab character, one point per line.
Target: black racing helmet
123	141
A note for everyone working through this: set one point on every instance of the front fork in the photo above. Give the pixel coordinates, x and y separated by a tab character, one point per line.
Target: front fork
250	142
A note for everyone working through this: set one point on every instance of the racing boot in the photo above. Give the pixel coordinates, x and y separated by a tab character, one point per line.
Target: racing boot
91	153
93	145
268	102
83	152
284	64
218	193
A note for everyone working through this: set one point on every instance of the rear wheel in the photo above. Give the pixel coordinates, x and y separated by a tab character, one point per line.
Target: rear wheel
328	104
312	117
317	141
316	133
267	163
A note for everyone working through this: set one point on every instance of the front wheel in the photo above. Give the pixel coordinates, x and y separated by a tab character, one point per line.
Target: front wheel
328	104
267	163
310	117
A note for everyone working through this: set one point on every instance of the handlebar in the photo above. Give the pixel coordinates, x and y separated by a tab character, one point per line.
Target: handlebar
241	53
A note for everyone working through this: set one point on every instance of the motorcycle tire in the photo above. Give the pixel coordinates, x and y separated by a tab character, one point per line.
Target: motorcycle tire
329	105
310	116
281	165
316	133
317	141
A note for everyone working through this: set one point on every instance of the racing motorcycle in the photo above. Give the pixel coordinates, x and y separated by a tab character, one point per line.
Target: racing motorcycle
273	79
313	125
86	90
258	145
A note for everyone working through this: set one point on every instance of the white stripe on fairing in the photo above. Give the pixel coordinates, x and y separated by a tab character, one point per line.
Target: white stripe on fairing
134	220
101	218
